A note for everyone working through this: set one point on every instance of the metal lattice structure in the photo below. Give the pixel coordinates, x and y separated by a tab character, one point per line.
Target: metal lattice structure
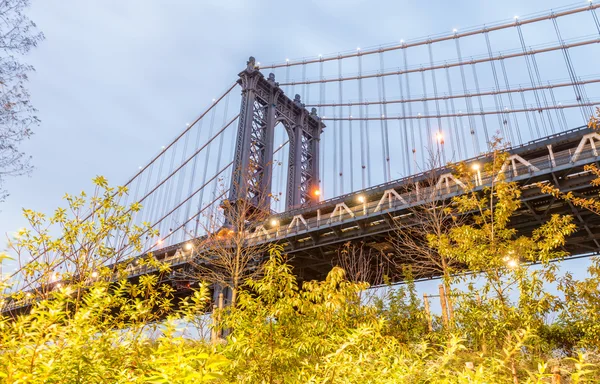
263	106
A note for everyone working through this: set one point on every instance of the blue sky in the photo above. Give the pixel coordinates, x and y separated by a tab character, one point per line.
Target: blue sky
115	80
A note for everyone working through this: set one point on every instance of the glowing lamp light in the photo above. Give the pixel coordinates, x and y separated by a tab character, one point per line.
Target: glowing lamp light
402	41
476	166
440	137
320	55
188	247
257	63
361	198
512	263
58	285
358	48
94	274
287	60
159	242
317	192
274	222
455	30
516	17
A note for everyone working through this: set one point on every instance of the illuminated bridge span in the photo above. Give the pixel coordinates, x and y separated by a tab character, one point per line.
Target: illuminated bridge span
336	145
312	235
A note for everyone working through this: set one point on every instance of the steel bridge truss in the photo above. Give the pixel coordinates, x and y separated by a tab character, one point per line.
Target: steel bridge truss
263	106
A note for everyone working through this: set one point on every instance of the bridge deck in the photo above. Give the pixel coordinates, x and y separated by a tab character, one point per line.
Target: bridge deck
312	236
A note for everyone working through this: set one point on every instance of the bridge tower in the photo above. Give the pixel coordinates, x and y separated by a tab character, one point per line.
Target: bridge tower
263	106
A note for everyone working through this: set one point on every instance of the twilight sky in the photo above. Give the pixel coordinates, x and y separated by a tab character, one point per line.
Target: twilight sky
116	79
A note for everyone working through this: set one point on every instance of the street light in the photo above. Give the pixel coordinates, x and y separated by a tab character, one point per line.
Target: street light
274	222
439	136
362	199
188	247
477	168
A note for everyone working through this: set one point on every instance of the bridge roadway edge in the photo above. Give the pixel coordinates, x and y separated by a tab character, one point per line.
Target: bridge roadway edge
314	258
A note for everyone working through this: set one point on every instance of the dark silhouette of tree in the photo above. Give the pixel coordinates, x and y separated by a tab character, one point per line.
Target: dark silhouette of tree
18	35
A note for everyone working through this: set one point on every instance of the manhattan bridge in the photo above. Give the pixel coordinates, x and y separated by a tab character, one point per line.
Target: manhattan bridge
337	148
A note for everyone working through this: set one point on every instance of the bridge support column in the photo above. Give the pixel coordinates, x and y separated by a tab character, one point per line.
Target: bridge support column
263	106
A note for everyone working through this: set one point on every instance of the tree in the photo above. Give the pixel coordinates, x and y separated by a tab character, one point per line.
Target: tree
488	246
89	322
18	35
362	263
434	218
232	251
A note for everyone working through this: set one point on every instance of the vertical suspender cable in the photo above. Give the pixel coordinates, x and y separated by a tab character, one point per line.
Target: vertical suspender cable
435	94
421	144
595	17
368	146
429	138
168	189
535	121
382	127
387	169
307	94
180	181
287	78
504	124
219	155
206	162
531	136
412	129
468	100
544	98
335	169
351	153
557	111
510	100
281	182
480	100
148	213
321	146
363	139
531	77
585	111
341	129
156	196
193	178
304	82
585	97
453	109
404	130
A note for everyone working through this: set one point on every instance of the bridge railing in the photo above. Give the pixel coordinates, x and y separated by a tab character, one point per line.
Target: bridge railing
562	159
424	174
423	195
